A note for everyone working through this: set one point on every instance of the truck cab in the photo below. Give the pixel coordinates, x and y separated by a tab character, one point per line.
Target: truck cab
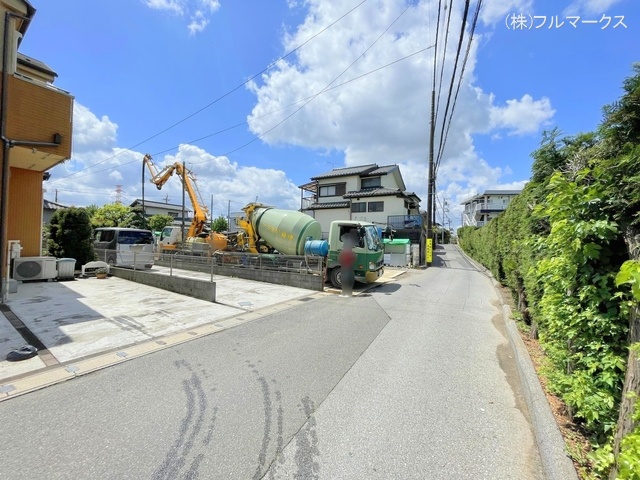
367	246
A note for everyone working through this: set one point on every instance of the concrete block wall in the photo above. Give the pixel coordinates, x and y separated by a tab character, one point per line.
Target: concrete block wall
291	279
193	287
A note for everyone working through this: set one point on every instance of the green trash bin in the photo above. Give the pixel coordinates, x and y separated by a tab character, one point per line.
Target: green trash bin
66	268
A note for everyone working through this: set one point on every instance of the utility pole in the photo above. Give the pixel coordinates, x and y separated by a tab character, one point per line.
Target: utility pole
183	199
444	206
229	216
211	212
429	245
144	216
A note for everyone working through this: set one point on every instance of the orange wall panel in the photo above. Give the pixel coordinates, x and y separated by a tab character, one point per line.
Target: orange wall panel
25	210
36	112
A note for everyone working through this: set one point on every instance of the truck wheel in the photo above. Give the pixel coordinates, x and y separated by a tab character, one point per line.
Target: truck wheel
336	277
111	261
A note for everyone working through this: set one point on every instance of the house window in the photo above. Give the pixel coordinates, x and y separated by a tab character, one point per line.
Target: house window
359	207
333	190
372	182
376	206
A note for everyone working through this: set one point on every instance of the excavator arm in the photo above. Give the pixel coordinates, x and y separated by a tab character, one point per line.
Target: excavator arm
159	178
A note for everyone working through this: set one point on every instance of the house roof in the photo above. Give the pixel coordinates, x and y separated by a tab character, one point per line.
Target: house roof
35	64
381	191
385	169
347	172
328	205
491	192
166	206
49	205
24	25
374	192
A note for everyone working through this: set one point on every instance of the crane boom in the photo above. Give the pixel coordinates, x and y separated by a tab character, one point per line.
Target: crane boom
159	178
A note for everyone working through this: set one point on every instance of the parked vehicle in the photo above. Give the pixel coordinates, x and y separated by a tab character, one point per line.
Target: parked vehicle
124	247
366	245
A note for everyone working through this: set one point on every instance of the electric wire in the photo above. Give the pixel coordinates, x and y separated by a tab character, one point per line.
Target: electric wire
453	74
310	97
444	55
257	137
229	92
460	78
243	123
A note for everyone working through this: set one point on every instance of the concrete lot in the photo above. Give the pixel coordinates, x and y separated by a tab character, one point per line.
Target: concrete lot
89	323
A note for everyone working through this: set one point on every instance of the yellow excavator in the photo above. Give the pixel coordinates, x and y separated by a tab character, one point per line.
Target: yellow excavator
199	236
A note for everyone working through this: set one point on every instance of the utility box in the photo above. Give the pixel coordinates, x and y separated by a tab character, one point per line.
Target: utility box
66	268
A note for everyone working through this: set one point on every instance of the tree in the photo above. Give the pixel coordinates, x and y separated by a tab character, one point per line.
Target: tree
136	218
220	224
71	235
91	210
112	215
620	167
158	222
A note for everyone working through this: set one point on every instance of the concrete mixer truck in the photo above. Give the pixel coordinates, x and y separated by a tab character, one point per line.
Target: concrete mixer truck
264	229
270	230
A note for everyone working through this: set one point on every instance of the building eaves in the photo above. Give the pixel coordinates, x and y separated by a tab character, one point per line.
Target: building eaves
502	192
35	64
374	192
413	195
490	192
347	171
383	170
328	205
149	203
49	205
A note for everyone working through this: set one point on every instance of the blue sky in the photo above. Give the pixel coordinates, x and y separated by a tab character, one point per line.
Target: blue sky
204	81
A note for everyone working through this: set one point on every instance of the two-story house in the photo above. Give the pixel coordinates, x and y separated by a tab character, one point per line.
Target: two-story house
160	208
481	208
368	193
35	129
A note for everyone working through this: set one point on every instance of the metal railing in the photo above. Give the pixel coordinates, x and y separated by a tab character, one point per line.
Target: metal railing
256	261
404	221
126	259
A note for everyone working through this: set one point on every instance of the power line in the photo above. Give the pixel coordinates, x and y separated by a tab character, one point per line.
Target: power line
464	64
453	74
230	91
307	100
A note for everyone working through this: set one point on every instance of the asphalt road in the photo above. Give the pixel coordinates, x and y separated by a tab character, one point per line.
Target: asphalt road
413	380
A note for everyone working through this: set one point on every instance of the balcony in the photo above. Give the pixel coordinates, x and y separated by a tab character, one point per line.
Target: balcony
405	222
38	113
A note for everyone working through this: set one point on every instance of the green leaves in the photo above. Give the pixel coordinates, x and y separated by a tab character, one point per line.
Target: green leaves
630	275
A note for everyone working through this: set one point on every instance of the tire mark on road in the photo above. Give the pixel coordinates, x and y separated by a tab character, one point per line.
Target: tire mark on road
190	428
267	403
307	445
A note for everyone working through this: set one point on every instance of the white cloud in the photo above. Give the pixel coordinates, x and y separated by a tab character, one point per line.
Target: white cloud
198	23
100	173
493	11
383	116
91	132
212	5
175	6
589	7
522	116
195	10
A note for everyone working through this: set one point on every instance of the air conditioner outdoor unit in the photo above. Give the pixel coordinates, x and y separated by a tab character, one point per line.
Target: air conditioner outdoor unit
34	268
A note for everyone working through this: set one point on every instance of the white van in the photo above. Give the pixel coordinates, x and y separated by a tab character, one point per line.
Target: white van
124	247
